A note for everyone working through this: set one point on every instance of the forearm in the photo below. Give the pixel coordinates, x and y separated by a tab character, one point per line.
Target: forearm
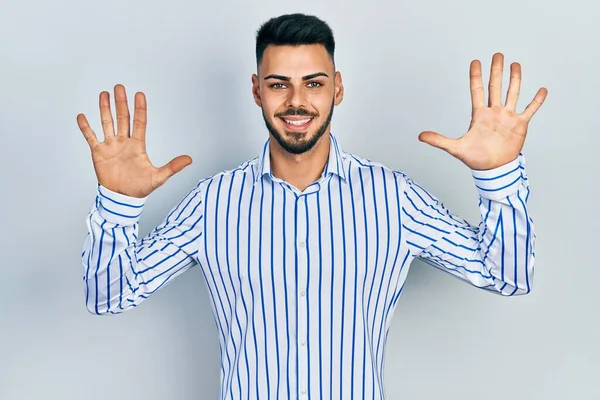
109	257
506	232
498	253
499	256
119	270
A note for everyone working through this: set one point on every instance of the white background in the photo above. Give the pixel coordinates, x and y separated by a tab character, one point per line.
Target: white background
405	68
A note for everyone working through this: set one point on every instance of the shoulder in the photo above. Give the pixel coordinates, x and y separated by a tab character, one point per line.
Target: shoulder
244	172
385	179
357	167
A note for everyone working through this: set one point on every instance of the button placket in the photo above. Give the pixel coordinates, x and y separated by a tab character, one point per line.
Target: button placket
302	249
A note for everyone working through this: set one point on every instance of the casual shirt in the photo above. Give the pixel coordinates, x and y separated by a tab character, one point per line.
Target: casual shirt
303	284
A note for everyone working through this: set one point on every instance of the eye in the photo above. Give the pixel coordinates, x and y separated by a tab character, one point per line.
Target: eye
314	85
278	86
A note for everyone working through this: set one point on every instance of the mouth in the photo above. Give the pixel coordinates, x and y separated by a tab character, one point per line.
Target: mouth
296	123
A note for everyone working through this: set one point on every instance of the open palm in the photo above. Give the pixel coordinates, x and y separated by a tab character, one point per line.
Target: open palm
497	132
121	162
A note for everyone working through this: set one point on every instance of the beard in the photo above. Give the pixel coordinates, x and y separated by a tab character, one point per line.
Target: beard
297	145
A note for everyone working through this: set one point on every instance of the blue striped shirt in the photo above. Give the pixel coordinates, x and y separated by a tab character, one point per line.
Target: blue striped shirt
303	285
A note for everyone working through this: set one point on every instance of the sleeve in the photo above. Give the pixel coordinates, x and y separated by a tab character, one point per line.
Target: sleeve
496	255
120	270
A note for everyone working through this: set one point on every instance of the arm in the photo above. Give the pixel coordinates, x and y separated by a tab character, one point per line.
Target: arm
120	270
497	254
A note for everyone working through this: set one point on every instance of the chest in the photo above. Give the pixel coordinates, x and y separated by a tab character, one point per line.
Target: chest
264	234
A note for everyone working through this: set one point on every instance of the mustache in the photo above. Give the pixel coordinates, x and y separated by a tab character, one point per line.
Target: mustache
297	111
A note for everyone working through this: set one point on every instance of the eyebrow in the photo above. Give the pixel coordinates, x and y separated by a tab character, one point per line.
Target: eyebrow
304	78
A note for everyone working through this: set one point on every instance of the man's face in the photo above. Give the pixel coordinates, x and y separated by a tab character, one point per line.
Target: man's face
297	88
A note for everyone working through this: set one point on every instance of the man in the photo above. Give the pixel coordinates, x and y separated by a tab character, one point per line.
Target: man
305	249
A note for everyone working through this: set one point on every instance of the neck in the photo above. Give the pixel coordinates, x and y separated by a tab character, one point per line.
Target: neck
300	170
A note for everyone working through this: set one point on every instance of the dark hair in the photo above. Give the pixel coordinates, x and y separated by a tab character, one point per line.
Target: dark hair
294	30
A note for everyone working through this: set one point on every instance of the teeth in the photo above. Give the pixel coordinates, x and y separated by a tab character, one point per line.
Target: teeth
299	122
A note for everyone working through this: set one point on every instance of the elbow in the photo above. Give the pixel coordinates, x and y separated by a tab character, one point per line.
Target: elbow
109	307
525	284
103	306
517	285
104	310
97	309
98	302
519	290
93	304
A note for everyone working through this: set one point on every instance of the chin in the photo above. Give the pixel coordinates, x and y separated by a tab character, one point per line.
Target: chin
298	134
294	142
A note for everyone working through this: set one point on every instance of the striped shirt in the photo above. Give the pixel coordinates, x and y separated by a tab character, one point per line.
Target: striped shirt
303	285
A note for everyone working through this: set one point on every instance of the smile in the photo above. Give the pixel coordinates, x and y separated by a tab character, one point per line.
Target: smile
297	124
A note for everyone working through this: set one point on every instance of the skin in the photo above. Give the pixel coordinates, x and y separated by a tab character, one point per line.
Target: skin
496	134
297	80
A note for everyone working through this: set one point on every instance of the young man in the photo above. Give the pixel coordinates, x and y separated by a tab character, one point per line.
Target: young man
305	249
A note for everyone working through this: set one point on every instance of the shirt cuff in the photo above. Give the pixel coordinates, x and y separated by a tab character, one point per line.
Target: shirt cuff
119	208
500	182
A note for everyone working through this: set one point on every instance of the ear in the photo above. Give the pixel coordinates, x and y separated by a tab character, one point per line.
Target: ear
338	88
256	90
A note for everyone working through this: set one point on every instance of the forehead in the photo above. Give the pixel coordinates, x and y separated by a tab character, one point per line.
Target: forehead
295	61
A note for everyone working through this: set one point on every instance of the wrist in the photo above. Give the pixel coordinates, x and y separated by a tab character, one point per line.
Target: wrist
119	208
499	182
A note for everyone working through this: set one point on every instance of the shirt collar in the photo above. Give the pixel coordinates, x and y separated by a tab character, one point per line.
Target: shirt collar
335	163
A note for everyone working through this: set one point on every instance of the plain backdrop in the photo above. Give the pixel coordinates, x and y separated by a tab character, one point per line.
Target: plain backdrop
405	68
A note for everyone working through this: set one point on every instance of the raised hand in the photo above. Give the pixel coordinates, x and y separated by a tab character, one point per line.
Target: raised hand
497	132
121	162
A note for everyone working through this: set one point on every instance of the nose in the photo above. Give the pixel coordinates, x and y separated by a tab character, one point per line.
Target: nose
296	99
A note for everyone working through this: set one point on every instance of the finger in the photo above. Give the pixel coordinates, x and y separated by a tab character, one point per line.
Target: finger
106	115
495	84
122	111
476	83
87	131
514	87
139	117
173	167
535	104
441	142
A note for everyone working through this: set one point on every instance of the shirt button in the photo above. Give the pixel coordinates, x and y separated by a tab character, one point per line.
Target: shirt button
303	391
303	293
303	343
302	244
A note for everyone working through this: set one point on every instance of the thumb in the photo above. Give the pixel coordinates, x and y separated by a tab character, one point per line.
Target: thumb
173	167
441	142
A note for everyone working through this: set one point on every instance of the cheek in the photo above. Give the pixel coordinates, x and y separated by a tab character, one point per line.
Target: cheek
272	105
323	106
269	110
322	99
